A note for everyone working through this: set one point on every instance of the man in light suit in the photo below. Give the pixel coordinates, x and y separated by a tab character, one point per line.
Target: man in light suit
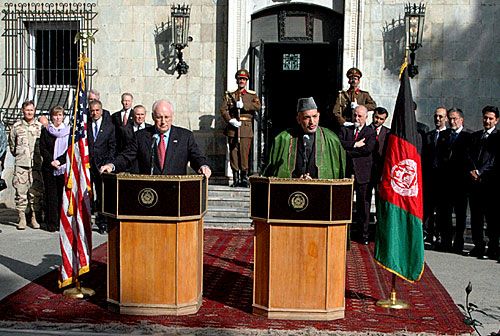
162	149
102	146
484	198
359	142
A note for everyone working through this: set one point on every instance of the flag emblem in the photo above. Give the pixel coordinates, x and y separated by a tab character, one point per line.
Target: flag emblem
404	178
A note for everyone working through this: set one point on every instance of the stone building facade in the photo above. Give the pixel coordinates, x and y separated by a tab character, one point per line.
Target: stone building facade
292	49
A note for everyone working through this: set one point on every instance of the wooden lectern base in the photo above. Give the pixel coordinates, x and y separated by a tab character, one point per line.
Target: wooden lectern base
299	271
155	268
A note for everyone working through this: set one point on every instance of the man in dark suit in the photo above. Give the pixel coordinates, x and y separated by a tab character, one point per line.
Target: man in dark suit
102	145
162	149
359	142
126	133
484	197
380	115
431	177
452	163
122	118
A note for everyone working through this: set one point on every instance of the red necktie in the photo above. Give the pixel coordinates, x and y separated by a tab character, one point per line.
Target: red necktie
161	151
356	134
125	119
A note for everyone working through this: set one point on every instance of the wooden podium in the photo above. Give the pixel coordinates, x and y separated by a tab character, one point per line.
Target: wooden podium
300	247
155	243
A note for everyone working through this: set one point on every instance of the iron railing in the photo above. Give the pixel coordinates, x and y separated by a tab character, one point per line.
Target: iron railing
40	55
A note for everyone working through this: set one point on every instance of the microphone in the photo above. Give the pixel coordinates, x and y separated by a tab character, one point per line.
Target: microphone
306	138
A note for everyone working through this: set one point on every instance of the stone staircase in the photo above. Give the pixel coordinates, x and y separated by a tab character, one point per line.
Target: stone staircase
228	207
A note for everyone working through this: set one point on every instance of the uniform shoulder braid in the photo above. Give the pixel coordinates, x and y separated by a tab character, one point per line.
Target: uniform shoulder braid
251	92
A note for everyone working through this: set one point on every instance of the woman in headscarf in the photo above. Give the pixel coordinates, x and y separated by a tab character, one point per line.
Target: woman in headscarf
53	147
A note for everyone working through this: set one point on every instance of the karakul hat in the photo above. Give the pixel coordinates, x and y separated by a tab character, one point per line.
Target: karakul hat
305	104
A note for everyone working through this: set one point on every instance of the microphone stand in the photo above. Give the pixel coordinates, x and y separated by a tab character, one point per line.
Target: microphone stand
306	155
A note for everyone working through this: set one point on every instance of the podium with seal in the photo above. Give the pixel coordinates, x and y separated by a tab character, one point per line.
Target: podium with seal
155	242
300	247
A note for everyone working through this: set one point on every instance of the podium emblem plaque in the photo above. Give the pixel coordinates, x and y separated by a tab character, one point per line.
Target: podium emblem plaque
298	201
148	197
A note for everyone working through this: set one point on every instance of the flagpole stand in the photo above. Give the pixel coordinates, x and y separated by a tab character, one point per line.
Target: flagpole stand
393	302
78	292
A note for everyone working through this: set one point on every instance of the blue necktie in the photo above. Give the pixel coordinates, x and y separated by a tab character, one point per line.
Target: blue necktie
96	131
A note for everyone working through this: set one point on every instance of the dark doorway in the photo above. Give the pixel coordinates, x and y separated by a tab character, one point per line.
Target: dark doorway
296	70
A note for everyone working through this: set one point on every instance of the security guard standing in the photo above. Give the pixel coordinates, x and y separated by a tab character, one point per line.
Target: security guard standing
238	109
348	100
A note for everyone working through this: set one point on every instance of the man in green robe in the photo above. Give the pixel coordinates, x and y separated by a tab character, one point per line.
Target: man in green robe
307	151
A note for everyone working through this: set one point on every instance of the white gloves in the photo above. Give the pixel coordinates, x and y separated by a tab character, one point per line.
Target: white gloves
348	123
235	122
239	104
354	105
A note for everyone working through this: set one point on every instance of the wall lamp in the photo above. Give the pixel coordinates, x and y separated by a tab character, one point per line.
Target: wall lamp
180	34
414	21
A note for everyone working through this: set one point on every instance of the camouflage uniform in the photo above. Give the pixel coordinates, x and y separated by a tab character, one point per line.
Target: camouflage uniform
24	145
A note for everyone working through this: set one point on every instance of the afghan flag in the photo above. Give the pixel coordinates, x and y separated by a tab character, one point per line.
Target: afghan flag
399	243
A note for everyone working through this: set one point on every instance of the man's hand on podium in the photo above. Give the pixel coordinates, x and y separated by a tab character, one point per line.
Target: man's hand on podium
107	168
306	176
205	170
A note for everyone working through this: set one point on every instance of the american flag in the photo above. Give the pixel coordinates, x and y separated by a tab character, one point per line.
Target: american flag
75	231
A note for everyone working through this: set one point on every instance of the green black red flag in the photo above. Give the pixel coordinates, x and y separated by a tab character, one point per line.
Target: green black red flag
399	244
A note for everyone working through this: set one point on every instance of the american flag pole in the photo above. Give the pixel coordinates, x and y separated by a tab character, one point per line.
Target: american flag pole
75	231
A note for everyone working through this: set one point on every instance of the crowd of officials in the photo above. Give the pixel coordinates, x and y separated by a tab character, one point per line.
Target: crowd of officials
460	167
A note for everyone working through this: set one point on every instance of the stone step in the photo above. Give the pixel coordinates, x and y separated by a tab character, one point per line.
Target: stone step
229	204
227	222
228	207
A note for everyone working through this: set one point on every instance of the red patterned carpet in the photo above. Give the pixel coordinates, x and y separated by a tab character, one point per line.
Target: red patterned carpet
227	302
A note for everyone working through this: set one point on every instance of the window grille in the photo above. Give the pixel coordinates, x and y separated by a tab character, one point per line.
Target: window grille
41	56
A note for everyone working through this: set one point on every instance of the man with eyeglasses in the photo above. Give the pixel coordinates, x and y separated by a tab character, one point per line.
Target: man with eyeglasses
238	109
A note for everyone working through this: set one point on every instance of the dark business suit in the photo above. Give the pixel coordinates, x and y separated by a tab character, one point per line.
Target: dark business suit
378	160
53	185
101	151
452	163
359	164
483	198
117	120
432	188
124	134
181	149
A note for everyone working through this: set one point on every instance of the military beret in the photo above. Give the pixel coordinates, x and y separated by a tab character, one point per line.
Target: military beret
306	104
242	73
354	72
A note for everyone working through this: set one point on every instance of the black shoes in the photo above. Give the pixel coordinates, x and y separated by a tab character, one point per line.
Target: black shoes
477	252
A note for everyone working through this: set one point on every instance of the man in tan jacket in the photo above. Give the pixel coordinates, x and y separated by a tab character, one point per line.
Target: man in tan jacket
348	100
238	109
24	145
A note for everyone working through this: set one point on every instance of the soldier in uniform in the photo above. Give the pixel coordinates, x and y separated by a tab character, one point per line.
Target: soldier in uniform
238	109
348	100
24	141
